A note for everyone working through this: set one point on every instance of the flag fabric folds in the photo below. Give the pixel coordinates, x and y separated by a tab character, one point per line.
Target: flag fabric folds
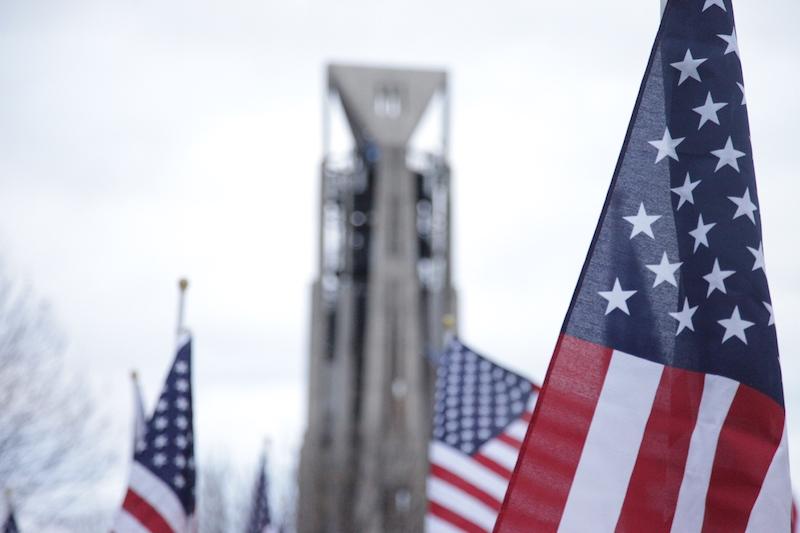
481	414
161	491
663	409
260	520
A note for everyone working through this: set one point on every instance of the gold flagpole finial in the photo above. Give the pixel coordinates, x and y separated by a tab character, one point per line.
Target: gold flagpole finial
183	284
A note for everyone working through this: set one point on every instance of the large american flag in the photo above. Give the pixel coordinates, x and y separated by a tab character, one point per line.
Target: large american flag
663	407
481	414
161	491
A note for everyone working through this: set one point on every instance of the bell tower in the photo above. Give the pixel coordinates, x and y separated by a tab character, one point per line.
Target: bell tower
384	286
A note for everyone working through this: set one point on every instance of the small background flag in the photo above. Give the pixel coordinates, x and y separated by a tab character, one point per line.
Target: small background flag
10	525
662	409
260	519
161	492
139	417
481	414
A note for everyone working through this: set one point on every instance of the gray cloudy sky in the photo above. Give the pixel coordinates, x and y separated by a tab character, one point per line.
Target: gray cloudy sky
143	140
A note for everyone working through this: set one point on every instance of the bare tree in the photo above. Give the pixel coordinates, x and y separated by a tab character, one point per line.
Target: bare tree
48	455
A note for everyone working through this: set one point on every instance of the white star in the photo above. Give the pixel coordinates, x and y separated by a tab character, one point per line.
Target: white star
688	67
162	405
758	255
700	233
718	3
181	422
728	155
684	317
179	461
741	88
744	206
735	326
642	222
684	192
181	385
160	441
181	441
159	459
666	146
181	367
708	111
160	422
665	271
716	278
178	481
771	313
617	298
182	403
733	42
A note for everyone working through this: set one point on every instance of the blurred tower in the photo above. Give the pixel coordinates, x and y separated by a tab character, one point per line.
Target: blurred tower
384	286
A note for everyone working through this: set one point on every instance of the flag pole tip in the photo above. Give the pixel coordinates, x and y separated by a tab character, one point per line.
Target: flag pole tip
183	284
134	375
449	321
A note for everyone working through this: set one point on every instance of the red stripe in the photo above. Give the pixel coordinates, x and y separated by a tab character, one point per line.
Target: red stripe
552	448
457	520
658	472
465	486
747	443
144	513
508	439
492	465
794	516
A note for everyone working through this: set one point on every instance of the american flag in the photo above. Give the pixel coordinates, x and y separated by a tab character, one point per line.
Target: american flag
481	414
260	519
161	491
663	407
10	525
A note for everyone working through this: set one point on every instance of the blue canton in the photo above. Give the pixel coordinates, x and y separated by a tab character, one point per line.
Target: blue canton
475	399
676	270
168	447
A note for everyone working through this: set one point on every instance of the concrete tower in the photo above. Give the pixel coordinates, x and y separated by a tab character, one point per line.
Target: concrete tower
384	286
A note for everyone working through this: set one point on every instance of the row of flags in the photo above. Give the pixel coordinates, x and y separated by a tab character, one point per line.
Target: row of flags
662	409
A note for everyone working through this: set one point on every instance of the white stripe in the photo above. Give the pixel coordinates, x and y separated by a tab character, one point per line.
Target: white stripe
773	508
500	452
434	524
159	495
125	523
532	401
718	393
461	503
468	470
612	445
517	429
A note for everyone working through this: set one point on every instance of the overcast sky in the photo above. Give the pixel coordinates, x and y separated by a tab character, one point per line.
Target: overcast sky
143	140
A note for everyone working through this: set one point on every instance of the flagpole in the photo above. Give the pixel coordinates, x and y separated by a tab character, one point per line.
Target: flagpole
449	324
183	284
